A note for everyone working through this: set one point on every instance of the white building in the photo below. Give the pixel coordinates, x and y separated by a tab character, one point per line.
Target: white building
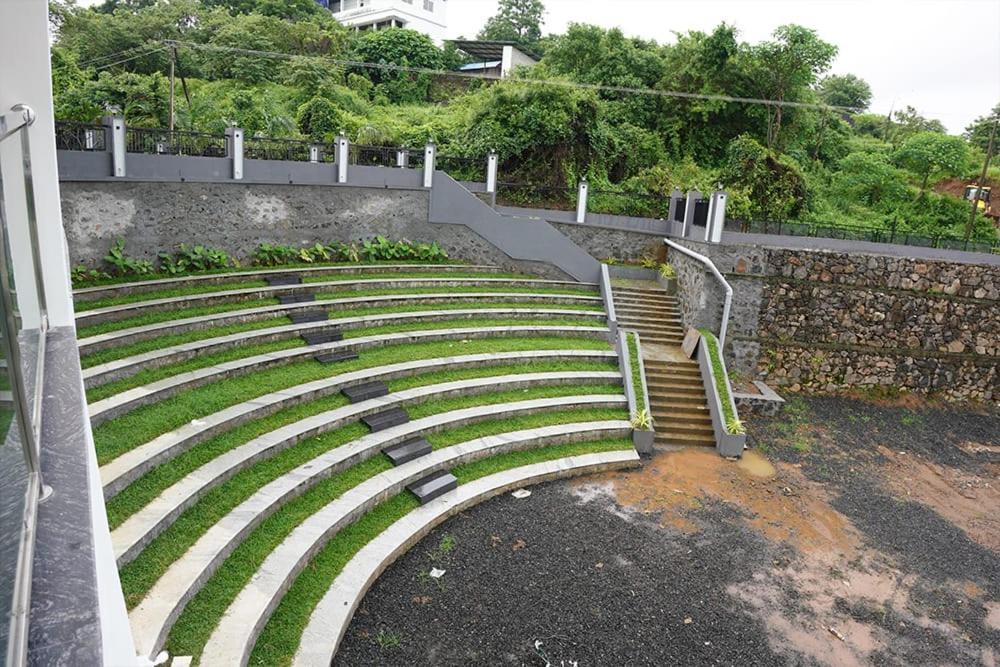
426	16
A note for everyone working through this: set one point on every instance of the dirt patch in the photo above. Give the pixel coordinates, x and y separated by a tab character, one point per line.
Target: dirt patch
968	500
778	501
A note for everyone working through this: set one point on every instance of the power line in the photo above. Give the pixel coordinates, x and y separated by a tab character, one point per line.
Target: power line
125	60
117	54
547	82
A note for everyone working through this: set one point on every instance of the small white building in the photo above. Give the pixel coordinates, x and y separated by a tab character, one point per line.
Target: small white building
426	16
493	59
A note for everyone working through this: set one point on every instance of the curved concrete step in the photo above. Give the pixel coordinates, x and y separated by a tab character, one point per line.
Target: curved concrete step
113	406
129	366
125	469
134	334
233	639
152	618
141	528
140	286
330	619
121	311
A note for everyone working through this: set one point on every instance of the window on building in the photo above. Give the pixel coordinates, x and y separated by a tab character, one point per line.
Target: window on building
429	5
335	6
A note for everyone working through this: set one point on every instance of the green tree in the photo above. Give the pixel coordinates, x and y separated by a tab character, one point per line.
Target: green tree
871	179
517	21
398	46
928	153
978	131
845	90
783	70
774	185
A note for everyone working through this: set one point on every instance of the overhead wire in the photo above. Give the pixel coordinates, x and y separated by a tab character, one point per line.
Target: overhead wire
117	54
548	82
136	57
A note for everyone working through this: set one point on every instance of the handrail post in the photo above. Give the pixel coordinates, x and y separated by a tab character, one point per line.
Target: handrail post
727	304
430	158
116	135
692	200
234	146
342	158
716	217
402	158
491	173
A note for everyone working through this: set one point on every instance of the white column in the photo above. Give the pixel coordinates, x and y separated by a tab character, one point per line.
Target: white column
235	145
402	158
675	198
491	172
430	157
581	201
692	199
506	61
716	217
116	135
342	157
314	153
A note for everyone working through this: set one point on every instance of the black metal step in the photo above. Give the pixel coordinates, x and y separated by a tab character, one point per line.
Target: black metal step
336	357
433	486
387	419
308	316
320	337
283	280
407	451
366	391
287	299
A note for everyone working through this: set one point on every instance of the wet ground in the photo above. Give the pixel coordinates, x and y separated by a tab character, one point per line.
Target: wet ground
854	533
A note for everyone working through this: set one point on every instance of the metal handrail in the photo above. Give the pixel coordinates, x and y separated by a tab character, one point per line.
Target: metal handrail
725	284
28	416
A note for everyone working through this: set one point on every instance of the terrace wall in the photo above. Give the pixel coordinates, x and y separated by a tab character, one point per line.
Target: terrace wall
154	216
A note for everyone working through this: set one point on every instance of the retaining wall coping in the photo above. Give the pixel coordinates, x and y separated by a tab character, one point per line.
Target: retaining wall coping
141	528
152	618
122	402
331	617
124	469
140	285
109	312
233	639
128	366
112	338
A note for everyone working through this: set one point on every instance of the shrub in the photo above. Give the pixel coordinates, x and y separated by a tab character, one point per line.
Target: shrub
193	258
268	254
123	265
667	271
82	275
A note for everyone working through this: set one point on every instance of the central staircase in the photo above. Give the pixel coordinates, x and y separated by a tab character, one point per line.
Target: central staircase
677	399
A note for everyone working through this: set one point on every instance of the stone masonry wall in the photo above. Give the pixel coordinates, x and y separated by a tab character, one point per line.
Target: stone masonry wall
151	217
821	321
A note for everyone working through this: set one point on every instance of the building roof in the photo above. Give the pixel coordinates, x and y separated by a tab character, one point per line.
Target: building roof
487	50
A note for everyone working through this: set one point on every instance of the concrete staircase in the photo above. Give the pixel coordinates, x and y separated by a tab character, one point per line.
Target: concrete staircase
677	399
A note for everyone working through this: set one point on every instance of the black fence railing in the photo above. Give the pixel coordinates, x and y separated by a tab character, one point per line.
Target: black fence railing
72	136
635	204
372	156
178	142
528	195
472	169
875	234
291	150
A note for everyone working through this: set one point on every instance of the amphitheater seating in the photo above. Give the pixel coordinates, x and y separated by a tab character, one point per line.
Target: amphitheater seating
259	431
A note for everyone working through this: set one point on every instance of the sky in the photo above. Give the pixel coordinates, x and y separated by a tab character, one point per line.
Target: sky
940	56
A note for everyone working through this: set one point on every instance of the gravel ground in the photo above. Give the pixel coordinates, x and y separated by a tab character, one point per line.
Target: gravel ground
868	535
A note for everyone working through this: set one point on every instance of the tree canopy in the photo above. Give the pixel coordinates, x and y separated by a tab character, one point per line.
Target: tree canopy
516	21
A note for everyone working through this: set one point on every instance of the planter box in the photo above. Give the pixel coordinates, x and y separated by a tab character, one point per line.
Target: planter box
668	284
643	441
766	404
631	272
727	444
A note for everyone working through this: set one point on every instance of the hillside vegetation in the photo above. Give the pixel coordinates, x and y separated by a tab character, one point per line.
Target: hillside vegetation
827	166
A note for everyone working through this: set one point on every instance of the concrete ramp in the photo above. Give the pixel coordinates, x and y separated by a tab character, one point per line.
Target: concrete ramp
520	238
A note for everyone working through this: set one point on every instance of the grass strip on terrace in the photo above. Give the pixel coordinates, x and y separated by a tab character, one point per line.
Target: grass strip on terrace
201	615
138	576
145	489
721	379
150	344
633	358
116	436
149	375
194	290
279	640
157	317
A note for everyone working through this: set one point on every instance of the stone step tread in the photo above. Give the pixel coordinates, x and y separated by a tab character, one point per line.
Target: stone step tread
286	299
407	451
320	337
433	486
307	316
387	419
665	420
336	357
656	388
365	391
677	442
660	294
673	430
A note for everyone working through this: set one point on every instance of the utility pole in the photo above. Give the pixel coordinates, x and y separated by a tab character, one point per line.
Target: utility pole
982	179
173	61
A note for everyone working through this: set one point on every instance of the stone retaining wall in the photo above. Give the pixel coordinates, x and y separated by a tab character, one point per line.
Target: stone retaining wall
820	321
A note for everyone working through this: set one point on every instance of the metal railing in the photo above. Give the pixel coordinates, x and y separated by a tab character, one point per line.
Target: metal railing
289	150
537	196
635	204
472	169
23	327
373	156
178	142
883	233
71	136
710	265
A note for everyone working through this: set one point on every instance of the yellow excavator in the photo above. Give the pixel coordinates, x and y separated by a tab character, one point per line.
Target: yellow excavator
985	203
